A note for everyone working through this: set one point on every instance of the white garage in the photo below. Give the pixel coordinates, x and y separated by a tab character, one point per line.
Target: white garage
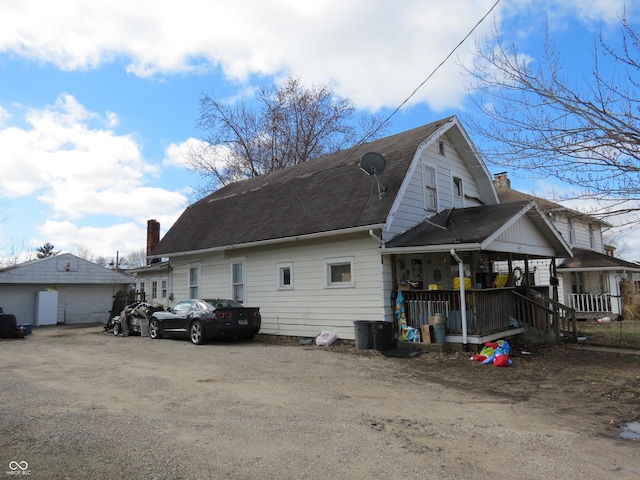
62	289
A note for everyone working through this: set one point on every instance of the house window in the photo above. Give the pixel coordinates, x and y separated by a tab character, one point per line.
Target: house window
577	282
441	147
154	289
430	192
194	282
237	280
458	193
163	288
339	272
141	287
592	239
572	233
285	276
457	187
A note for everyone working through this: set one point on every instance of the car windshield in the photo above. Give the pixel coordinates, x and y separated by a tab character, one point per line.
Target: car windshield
224	303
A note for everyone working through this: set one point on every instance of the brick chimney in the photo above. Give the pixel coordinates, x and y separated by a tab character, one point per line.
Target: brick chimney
500	180
153	238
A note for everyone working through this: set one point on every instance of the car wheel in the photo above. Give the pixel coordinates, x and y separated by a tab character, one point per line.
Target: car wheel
196	333
117	328
154	329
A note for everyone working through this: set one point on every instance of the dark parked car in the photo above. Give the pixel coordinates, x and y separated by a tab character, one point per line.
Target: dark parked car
201	320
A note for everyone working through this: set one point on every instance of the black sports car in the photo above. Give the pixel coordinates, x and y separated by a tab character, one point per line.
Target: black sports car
201	320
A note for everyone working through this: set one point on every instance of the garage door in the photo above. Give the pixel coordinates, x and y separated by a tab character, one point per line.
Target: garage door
87	303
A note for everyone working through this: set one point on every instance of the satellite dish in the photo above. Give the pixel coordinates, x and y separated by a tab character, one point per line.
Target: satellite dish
373	163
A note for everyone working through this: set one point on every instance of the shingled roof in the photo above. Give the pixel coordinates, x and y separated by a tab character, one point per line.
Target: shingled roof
584	259
507	194
475	228
471	225
321	195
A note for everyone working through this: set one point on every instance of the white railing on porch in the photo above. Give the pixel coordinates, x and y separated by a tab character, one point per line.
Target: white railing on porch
421	310
590	302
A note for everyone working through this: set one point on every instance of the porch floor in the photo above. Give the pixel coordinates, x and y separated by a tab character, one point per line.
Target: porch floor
454	342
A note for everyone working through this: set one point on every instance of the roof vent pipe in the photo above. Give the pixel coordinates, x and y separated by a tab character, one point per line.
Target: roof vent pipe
463	301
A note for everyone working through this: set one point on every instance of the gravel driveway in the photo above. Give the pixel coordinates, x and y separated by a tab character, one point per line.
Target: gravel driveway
78	403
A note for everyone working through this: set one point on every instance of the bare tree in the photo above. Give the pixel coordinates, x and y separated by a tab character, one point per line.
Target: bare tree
135	259
584	133
13	253
293	124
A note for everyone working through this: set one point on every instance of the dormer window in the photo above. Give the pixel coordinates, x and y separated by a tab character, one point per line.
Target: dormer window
441	147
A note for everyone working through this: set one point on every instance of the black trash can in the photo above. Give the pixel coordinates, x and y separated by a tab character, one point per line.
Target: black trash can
382	336
363	334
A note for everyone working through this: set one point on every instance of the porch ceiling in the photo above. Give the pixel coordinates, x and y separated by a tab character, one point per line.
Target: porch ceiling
518	228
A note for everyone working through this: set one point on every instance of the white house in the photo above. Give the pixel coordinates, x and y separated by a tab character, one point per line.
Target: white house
322	244
61	289
589	281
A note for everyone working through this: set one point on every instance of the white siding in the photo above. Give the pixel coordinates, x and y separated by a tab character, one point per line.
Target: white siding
581	237
310	306
411	208
76	303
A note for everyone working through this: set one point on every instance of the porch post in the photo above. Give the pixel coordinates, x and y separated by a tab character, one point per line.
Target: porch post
463	300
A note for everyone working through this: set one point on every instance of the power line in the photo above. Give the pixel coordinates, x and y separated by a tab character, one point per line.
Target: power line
431	74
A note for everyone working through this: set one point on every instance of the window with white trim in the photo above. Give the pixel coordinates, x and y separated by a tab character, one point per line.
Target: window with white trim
237	280
339	272
457	187
285	276
430	191
572	233
163	288
194	282
154	289
458	192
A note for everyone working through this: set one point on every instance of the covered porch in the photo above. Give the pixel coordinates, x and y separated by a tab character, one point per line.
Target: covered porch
591	283
460	264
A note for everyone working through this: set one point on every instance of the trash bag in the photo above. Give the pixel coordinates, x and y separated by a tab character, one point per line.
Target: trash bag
9	327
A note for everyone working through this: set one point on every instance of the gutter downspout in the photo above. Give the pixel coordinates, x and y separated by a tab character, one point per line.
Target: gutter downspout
374	236
463	300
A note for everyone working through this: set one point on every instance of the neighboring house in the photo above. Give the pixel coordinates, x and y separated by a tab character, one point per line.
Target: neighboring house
589	282
60	289
322	244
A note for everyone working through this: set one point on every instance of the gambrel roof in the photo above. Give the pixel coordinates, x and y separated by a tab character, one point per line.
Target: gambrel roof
329	194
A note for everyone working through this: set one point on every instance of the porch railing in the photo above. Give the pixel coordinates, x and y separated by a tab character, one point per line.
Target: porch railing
490	311
590	303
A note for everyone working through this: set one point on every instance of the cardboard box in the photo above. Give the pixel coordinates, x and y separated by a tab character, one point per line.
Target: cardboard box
427	333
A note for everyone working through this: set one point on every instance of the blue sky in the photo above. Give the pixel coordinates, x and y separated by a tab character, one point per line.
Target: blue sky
99	100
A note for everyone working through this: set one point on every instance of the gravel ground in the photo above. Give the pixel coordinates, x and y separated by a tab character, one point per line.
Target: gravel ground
78	403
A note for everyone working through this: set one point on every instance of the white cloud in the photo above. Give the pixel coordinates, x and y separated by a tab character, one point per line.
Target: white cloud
79	172
122	238
374	51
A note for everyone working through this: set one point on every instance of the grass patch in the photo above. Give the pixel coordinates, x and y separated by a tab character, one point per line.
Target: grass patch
624	333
